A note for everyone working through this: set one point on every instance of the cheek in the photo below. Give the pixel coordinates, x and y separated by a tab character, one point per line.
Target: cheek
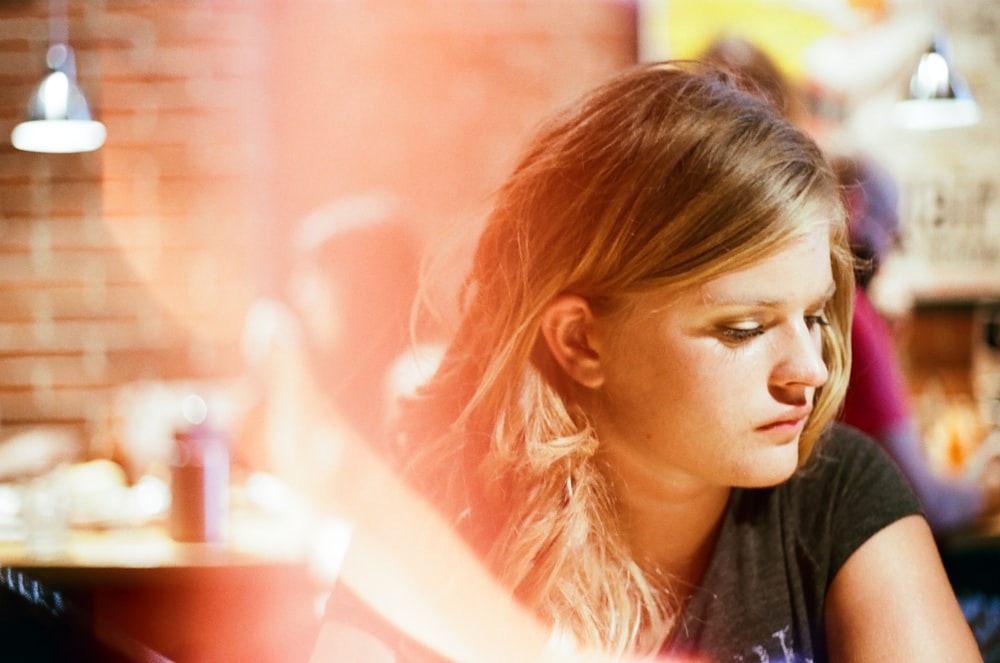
719	384
712	383
662	382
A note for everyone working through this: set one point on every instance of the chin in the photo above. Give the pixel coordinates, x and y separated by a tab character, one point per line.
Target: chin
771	467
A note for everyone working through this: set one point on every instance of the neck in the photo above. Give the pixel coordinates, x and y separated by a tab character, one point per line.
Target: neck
671	526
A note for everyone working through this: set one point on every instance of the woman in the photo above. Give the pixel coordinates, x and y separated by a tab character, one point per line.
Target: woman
631	426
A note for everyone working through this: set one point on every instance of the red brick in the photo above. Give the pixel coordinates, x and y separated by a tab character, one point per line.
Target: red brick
233	117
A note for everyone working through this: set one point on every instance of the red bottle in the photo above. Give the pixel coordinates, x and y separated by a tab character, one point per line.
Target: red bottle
199	482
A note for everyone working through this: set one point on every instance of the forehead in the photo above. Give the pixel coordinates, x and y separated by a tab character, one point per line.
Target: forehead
801	267
798	275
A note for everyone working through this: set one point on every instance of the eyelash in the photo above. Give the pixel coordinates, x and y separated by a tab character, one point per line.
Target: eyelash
738	334
820	320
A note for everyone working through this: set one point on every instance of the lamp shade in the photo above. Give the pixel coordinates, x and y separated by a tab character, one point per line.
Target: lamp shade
938	96
58	118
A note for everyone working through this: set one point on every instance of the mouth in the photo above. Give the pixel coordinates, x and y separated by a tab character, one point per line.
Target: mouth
792	421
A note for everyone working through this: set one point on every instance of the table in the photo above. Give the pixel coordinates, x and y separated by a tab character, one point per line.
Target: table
250	599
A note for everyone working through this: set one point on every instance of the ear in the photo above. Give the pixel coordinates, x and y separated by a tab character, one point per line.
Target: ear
568	328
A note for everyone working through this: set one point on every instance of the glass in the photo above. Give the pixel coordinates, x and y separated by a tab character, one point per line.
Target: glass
45	510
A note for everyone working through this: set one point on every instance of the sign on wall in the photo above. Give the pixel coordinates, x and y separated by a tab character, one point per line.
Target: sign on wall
951	234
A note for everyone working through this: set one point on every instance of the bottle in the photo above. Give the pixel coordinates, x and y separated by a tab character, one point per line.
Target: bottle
199	482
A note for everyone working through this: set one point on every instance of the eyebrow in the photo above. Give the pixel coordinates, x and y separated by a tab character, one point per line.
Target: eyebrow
768	303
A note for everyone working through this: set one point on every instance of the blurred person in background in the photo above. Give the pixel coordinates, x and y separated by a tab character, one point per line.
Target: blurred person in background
757	69
335	339
878	399
632	427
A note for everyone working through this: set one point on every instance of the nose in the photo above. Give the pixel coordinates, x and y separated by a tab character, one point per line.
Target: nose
799	363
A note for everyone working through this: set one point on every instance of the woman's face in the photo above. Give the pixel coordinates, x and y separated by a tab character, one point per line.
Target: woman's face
714	384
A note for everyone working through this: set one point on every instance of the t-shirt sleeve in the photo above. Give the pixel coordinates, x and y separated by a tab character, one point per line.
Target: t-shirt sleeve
763	595
865	492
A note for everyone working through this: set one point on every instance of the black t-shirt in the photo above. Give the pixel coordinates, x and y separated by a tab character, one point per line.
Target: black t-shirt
763	593
779	548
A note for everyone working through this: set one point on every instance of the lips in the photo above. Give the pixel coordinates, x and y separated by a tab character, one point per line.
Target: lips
790	419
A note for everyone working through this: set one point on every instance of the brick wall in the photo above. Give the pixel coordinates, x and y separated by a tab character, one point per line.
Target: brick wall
117	265
227	120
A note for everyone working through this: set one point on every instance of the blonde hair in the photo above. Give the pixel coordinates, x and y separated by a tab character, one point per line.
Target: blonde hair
664	176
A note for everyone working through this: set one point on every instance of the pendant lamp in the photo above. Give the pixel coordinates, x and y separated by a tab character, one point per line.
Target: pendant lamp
938	96
58	118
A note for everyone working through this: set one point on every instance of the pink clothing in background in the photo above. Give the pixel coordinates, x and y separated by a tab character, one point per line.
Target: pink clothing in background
877	397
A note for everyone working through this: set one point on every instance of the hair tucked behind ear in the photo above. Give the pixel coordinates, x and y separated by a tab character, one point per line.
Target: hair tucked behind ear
666	175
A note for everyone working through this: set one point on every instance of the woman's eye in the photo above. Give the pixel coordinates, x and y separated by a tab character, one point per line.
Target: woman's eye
813	321
737	334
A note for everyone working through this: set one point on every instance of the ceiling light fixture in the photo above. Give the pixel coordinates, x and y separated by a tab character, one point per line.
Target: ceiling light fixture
58	118
938	98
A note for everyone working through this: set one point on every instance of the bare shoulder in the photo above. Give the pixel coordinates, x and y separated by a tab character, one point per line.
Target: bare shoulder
891	601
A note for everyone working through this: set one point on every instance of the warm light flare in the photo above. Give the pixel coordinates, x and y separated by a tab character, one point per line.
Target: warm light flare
410	566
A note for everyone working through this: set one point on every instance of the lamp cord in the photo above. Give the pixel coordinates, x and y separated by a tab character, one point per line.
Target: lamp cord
58	22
